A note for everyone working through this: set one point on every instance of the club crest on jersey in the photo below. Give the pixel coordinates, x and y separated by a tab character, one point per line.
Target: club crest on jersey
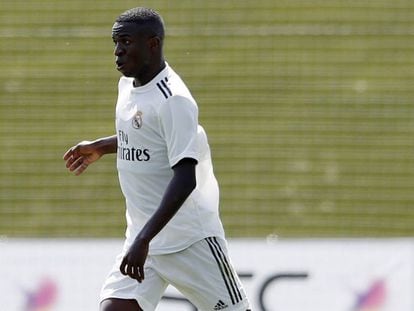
137	120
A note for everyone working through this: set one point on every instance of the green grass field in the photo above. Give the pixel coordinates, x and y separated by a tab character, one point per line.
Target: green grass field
309	107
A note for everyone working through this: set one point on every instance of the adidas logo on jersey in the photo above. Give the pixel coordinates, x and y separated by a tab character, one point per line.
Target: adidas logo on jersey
220	305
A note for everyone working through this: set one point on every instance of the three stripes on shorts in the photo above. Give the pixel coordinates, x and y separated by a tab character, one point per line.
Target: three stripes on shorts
225	270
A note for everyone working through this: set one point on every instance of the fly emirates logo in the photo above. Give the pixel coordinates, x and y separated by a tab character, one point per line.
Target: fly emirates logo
130	153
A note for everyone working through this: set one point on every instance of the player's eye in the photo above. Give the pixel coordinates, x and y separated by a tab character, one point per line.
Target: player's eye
122	41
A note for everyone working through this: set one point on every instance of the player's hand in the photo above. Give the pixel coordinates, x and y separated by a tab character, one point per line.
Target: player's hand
133	262
79	157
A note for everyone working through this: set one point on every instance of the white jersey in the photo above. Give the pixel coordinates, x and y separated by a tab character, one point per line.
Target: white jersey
157	126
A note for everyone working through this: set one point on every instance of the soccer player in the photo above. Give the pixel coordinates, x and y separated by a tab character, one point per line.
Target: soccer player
174	234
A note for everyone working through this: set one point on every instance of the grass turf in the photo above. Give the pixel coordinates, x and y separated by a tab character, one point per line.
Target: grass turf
308	107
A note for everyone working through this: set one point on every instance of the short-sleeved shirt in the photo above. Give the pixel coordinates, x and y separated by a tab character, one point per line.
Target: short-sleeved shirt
157	126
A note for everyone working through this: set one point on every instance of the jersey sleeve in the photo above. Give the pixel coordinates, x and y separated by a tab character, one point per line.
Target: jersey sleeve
179	123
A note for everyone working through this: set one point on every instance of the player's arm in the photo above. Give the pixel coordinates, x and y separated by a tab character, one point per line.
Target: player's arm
179	127
178	190
80	156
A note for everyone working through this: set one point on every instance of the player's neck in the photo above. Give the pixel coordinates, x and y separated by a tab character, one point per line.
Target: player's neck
149	74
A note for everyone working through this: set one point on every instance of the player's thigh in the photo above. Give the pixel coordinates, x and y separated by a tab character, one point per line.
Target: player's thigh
205	275
115	304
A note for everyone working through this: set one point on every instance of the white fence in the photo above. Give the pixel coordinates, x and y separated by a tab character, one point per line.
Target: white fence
290	275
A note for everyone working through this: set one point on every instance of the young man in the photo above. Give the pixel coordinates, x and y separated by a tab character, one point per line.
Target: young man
174	234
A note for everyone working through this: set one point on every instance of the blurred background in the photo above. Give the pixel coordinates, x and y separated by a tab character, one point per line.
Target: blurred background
308	106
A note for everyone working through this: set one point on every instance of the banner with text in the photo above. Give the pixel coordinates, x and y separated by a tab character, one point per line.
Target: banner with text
287	275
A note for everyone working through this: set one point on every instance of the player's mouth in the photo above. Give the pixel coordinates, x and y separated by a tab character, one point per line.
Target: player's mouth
119	65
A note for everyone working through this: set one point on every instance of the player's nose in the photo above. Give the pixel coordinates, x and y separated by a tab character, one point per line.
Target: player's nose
118	50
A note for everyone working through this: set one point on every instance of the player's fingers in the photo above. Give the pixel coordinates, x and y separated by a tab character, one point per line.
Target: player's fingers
68	154
135	273
141	273
77	163
123	265
71	156
130	271
73	152
70	161
81	168
74	163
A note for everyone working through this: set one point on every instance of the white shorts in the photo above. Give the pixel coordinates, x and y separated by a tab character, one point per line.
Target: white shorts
203	273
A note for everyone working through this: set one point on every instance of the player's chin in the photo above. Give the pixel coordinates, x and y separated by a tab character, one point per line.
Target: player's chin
124	70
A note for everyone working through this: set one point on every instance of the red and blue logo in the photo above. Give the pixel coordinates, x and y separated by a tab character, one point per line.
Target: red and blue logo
372	299
43	297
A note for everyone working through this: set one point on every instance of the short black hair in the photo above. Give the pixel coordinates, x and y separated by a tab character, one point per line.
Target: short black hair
148	18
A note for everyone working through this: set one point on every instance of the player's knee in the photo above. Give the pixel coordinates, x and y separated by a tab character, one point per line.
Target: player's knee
120	305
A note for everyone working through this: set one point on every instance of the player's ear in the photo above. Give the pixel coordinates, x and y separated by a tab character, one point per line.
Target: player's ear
154	43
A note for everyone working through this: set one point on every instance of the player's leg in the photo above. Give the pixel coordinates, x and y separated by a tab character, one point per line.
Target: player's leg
115	304
205	275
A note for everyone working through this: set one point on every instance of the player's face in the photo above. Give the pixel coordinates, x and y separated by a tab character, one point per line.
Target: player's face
132	50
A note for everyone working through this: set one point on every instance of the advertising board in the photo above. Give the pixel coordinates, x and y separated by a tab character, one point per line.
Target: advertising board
290	275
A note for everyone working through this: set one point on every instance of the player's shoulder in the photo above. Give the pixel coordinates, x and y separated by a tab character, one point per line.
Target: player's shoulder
169	84
174	93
